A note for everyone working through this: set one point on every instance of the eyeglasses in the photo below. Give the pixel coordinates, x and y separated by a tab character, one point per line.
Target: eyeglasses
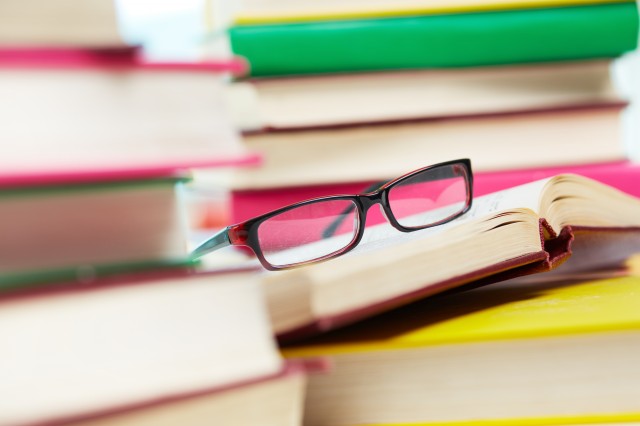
326	227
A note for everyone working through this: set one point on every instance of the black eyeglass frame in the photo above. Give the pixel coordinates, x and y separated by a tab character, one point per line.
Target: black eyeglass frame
246	233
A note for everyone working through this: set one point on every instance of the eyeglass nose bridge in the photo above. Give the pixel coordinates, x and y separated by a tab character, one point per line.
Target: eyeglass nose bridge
369	199
379	197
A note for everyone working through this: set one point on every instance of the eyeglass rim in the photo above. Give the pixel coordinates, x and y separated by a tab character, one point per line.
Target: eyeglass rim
387	187
246	233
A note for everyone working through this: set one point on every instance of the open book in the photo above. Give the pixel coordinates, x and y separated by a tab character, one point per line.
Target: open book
523	230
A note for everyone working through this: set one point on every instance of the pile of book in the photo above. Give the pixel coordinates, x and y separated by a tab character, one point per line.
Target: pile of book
345	94
101	319
106	320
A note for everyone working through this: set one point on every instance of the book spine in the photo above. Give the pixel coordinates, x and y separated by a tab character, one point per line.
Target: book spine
439	41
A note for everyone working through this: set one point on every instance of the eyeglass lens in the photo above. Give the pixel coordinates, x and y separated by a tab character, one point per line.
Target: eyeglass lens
429	197
296	235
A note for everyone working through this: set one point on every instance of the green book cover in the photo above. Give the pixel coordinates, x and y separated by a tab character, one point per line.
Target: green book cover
38	276
84	274
439	41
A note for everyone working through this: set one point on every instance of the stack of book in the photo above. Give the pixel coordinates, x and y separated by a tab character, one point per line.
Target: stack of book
341	95
95	144
101	319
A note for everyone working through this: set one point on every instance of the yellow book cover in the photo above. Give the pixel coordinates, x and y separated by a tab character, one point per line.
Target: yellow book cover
256	12
537	353
631	419
497	312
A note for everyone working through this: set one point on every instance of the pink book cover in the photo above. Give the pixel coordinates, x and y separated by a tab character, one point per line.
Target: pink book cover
52	58
114	57
246	204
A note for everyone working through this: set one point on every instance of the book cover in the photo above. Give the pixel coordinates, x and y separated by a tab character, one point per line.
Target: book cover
456	40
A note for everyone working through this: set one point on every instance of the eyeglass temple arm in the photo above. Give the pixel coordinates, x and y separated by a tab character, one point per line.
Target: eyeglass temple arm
218	241
335	224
